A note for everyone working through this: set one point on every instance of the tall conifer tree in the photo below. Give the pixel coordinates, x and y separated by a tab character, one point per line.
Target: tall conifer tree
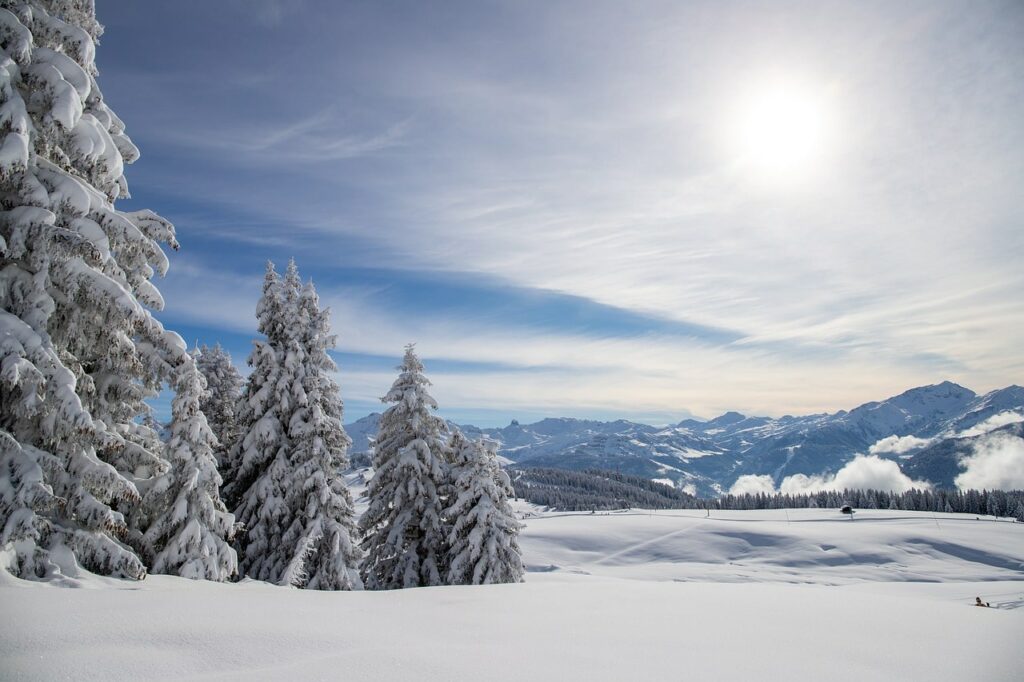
483	544
79	348
404	536
185	526
290	495
257	416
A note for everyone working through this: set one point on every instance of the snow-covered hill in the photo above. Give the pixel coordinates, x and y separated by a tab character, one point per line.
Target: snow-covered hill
818	546
803	594
707	457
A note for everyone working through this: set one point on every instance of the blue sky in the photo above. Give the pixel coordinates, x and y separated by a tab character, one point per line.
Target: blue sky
581	208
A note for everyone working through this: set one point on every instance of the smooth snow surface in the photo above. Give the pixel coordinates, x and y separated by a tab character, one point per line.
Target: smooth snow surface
620	596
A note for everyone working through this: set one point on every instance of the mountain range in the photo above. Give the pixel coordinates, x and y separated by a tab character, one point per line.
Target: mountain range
926	430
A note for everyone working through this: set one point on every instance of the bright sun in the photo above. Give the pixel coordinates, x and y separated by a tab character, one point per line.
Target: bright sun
780	130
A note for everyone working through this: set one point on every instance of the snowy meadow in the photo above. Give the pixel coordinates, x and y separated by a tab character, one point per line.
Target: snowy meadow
626	595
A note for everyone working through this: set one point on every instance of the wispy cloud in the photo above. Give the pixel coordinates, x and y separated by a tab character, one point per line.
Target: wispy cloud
660	376
444	142
270	13
315	139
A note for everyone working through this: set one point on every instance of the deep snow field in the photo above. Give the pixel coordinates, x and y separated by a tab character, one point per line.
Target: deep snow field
668	595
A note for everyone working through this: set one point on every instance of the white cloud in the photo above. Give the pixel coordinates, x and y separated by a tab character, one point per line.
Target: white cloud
899	444
992	423
695	242
752	484
223	301
862	473
627	200
997	464
559	372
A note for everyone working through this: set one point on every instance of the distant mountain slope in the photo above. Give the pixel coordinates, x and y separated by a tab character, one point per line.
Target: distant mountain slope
362	432
705	458
1009	399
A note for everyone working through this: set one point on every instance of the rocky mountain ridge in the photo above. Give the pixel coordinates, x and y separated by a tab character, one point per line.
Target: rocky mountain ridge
705	458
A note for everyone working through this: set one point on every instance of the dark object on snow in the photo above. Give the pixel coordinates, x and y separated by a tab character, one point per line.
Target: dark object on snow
846	509
978	602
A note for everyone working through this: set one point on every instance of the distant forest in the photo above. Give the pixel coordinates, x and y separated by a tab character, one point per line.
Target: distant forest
596	490
604	490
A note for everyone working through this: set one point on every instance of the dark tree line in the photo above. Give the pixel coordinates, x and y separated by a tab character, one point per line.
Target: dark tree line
603	490
596	490
988	502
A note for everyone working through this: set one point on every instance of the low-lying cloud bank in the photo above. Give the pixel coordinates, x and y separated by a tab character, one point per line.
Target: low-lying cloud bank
997	464
749	483
862	473
994	422
899	444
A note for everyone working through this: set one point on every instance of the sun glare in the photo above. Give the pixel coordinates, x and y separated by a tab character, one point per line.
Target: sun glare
780	130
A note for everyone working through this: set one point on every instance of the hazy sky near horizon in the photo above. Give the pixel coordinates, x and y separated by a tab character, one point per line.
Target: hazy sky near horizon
597	209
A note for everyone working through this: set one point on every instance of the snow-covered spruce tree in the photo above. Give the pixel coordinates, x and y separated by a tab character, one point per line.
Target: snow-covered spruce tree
321	533
297	509
403	532
186	528
483	541
223	390
79	351
260	433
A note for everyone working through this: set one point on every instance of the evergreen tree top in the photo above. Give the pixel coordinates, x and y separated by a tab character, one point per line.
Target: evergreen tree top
291	277
216	350
269	308
411	362
410	388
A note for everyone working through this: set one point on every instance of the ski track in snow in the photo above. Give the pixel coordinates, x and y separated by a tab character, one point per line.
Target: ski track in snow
640	545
